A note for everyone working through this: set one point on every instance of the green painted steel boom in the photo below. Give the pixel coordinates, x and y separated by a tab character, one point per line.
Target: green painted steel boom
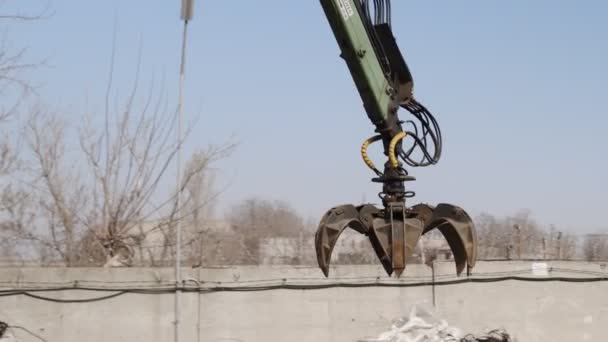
373	58
358	51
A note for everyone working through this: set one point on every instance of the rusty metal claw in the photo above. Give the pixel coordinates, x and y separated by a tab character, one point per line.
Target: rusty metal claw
331	226
394	242
395	232
457	228
393	237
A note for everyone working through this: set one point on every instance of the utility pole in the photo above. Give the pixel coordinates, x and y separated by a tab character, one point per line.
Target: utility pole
422	252
544	248
186	15
559	245
518	229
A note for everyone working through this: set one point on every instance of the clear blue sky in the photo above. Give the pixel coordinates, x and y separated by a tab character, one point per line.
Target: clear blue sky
518	87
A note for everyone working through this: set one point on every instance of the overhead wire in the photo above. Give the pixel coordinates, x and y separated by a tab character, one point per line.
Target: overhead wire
313	286
300	284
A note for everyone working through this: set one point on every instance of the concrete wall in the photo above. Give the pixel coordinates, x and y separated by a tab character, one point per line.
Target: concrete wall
532	311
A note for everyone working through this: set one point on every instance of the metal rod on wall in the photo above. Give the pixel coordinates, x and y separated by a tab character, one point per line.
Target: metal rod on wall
186	16
433	281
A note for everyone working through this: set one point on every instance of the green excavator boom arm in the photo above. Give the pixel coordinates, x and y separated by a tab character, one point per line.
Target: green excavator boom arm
347	22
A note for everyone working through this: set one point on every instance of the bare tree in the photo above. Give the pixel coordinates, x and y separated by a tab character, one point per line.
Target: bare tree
14	64
15	86
256	221
565	247
11	199
199	202
199	197
99	218
96	204
63	196
595	247
15	210
518	236
569	247
494	240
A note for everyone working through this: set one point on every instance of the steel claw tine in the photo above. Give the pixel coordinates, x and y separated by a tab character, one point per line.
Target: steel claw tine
331	226
457	228
381	237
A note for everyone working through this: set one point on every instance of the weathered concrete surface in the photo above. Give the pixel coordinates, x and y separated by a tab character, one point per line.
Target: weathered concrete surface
532	311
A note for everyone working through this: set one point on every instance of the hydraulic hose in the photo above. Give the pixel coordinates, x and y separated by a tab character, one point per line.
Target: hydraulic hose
391	149
365	157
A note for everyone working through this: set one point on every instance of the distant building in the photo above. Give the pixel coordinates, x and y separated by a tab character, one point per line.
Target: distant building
287	251
153	243
434	247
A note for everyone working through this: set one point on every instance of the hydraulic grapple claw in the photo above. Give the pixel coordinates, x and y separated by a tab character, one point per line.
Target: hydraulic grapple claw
392	234
395	232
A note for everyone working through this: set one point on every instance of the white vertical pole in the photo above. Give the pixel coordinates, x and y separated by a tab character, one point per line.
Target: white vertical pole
422	254
186	15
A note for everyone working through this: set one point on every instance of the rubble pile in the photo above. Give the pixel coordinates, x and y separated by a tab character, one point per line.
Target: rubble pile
4	333
421	326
